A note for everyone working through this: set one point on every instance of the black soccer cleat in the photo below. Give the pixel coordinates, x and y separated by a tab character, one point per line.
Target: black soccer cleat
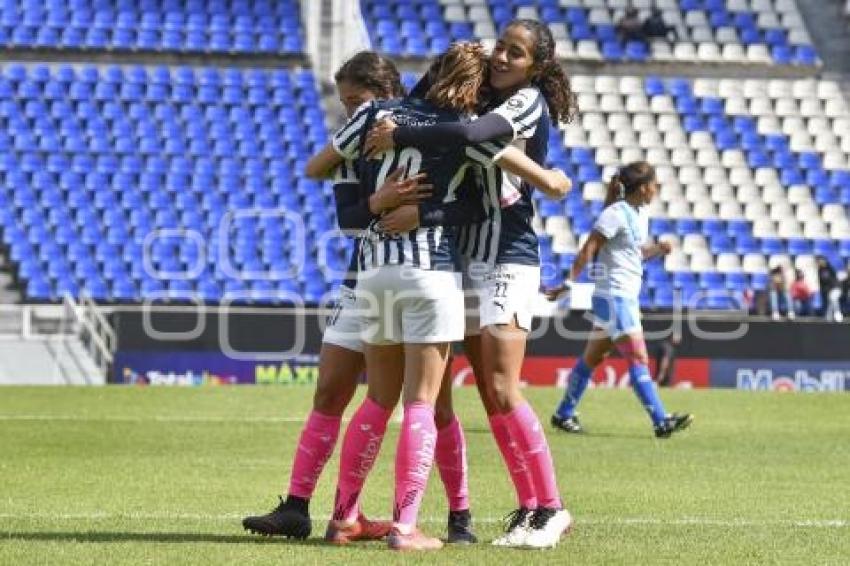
460	528
569	424
673	423
290	519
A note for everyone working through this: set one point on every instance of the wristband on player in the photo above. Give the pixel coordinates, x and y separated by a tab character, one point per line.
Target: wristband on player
566	286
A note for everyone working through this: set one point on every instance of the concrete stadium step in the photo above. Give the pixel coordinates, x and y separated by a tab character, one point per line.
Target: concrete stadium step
8	293
829	30
47	362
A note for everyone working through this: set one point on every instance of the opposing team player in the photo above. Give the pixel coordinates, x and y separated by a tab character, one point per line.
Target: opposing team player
620	243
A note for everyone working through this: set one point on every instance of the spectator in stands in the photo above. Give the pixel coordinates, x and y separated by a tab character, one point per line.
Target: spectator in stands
629	27
801	295
778	293
830	291
656	27
665	359
844	294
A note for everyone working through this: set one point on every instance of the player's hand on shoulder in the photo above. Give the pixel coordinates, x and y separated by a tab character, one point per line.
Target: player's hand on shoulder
380	138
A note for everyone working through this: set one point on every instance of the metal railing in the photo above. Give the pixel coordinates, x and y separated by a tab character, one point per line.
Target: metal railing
93	331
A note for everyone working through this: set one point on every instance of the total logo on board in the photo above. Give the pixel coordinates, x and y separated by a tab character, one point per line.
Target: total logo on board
187	378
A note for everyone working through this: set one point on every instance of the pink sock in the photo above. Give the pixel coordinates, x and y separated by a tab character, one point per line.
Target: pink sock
413	461
515	462
360	448
525	429
451	461
314	448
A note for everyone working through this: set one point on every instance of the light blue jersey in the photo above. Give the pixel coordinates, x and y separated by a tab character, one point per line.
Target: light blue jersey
619	264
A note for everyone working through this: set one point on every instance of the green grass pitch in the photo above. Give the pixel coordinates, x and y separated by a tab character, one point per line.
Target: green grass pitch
163	476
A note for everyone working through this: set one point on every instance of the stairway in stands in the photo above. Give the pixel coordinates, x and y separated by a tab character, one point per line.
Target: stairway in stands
832	39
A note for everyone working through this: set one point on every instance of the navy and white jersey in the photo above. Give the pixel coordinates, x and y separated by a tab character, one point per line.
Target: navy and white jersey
432	247
345	178
507	235
619	264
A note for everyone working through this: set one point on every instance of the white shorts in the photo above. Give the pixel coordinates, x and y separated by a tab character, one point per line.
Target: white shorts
473	287
344	326
505	291
403	304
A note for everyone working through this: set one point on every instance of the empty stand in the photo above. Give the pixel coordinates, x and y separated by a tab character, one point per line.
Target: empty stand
131	182
754	173
221	26
123	182
740	31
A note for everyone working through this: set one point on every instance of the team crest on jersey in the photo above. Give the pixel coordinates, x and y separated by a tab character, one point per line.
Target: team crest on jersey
515	103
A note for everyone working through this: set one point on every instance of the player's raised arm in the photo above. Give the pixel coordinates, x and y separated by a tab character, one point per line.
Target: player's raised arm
323	164
385	135
344	145
553	182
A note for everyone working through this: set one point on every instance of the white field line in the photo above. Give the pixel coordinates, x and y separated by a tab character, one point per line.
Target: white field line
150	418
228	517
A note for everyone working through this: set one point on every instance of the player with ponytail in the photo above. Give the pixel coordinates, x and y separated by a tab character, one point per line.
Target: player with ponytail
619	243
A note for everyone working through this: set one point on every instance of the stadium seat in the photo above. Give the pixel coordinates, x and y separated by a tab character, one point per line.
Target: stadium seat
156	26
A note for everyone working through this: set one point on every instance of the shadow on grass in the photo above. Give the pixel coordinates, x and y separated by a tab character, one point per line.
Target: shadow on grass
171	537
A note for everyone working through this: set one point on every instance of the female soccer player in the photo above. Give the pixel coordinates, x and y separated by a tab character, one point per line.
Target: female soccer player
620	243
503	263
365	77
413	281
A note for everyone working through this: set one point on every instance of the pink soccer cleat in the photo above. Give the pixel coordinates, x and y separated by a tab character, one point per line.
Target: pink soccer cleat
343	532
416	540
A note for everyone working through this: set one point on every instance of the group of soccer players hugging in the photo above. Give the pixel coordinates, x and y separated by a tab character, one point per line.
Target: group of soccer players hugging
435	186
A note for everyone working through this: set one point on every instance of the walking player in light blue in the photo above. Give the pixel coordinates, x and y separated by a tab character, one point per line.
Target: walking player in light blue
620	244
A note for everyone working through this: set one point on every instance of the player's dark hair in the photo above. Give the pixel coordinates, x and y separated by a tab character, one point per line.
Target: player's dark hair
373	72
548	74
630	178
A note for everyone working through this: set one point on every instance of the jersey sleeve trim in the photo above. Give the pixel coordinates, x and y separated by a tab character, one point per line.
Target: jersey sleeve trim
346	141
486	153
523	111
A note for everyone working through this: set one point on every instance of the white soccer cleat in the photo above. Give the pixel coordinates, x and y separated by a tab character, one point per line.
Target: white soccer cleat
517	528
547	526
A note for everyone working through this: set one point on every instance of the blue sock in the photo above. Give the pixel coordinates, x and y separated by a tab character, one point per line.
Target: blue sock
576	384
647	393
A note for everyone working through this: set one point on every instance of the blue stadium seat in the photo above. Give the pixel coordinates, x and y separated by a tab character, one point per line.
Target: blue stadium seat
782	54
737	281
772	246
805	55
663	298
612	51
636	51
